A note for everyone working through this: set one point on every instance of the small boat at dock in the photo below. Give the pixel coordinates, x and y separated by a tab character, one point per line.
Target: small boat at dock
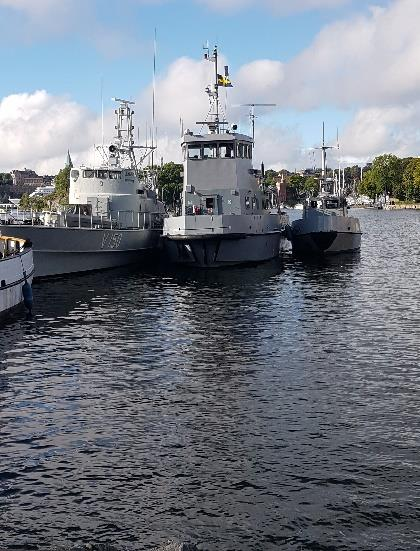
16	273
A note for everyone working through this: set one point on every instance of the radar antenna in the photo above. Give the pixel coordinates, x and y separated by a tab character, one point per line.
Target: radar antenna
253	116
123	145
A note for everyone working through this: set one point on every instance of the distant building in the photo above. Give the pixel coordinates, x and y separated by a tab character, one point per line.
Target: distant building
27	177
42	191
281	189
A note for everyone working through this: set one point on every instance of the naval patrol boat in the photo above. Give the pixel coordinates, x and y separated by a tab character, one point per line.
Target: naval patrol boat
114	217
325	226
226	217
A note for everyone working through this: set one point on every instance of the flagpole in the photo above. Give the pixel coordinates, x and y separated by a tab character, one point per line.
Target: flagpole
217	90
153	99
102	111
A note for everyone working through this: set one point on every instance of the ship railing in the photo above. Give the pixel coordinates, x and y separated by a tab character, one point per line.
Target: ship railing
16	216
128	219
137	220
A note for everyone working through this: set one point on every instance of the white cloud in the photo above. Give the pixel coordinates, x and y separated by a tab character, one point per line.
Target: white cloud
37	129
180	92
377	130
259	81
368	63
179	96
368	59
279	147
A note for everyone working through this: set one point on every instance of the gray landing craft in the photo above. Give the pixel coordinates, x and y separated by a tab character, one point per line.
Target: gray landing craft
114	216
225	217
325	226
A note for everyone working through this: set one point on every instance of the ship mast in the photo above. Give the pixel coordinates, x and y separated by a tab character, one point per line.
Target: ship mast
123	145
324	149
212	91
253	116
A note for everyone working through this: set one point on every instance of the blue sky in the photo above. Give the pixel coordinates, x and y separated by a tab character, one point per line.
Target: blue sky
68	61
65	48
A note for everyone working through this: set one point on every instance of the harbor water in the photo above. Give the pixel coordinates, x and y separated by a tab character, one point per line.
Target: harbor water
259	408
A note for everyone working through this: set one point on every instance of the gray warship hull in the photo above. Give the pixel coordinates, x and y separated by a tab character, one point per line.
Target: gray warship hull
321	243
59	251
228	250
325	232
211	241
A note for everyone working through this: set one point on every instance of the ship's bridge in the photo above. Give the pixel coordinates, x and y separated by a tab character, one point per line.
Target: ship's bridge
109	189
218	174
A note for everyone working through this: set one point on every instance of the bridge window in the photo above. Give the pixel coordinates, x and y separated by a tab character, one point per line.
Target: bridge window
74	174
88	173
244	151
194	151
114	175
102	174
226	151
331	204
210	151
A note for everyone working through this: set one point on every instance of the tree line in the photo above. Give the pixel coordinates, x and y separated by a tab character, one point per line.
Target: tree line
386	175
393	176
58	198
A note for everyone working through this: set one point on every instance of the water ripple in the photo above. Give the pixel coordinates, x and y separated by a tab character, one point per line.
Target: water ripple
269	407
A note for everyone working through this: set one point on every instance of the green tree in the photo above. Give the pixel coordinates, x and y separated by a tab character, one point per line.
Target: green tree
270	177
368	185
62	186
39	204
25	202
5	178
387	172
311	185
169	182
411	180
296	185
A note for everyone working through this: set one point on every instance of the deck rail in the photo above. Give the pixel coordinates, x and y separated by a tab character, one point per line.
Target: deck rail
127	219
